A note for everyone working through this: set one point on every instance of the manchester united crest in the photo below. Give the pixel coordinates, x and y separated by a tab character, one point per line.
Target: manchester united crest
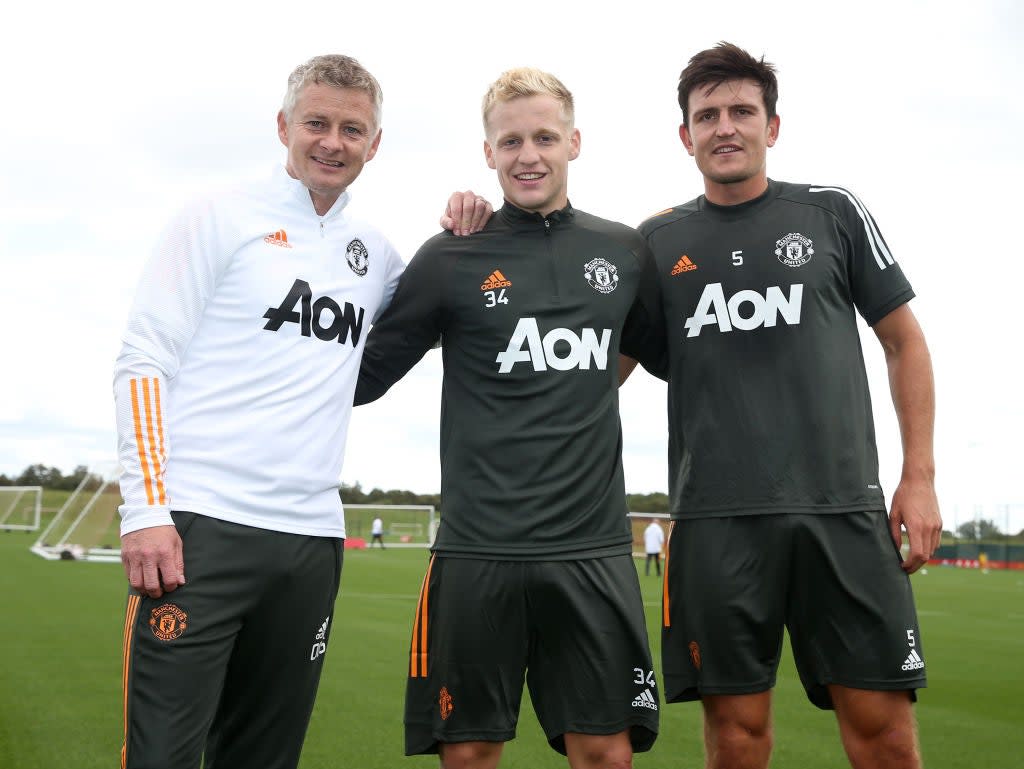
168	622
695	654
444	700
602	275
794	250
358	257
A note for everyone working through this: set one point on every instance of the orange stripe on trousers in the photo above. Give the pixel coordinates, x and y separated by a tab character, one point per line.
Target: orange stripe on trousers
418	652
666	620
126	652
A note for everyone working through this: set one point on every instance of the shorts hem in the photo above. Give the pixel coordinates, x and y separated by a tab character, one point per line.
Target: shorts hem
694	693
426	743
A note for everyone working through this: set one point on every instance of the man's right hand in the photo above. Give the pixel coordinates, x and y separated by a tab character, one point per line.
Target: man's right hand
153	560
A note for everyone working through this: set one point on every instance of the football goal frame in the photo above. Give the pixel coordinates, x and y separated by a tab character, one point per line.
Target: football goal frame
9	509
404	525
68	536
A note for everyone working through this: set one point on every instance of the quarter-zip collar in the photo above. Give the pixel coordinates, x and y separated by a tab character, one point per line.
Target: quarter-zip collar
519	218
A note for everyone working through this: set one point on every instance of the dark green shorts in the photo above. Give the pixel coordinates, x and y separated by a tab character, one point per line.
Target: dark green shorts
226	667
574	629
833	580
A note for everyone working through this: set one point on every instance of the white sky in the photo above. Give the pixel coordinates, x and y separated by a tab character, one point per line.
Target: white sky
119	112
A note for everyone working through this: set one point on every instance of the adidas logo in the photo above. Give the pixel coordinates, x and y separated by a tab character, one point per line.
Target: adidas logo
279	238
323	630
913	661
646	700
683	265
495	280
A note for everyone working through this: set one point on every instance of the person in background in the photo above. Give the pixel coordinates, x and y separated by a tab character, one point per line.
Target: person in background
654	541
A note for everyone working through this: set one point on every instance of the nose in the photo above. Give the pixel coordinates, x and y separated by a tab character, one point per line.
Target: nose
331	142
725	126
528	153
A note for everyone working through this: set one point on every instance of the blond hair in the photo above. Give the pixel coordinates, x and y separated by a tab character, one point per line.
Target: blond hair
335	70
528	81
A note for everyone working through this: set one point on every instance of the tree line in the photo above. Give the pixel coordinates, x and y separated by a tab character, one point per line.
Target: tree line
657	502
353	494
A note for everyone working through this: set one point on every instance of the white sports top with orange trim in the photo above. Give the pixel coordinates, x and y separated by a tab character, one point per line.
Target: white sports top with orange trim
235	381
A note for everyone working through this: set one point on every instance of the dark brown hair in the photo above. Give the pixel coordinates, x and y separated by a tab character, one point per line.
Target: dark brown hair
726	61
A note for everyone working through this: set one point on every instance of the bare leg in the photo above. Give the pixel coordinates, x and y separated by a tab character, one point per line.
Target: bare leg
877	728
737	730
599	751
470	755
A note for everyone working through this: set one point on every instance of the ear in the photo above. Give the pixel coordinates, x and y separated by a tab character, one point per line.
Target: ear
374	145
574	144
773	131
282	128
684	135
489	154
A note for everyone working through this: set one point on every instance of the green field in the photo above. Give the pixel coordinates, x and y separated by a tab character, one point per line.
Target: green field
60	636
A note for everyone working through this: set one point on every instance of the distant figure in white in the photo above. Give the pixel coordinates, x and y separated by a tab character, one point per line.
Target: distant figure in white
377	532
654	541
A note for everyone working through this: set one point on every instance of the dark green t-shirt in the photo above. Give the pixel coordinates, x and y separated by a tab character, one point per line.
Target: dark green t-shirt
532	313
769	408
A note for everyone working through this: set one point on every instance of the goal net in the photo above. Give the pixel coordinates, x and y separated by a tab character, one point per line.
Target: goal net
87	526
20	507
404	525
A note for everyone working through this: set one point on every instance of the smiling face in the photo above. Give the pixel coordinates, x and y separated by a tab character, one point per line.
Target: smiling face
728	135
530	143
330	134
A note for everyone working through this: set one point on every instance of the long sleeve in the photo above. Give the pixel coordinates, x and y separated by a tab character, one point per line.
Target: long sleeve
406	330
176	283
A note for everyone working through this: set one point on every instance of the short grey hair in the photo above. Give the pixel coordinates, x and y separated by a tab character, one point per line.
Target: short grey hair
335	70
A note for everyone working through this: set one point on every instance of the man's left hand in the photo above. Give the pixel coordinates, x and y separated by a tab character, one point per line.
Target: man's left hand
915	508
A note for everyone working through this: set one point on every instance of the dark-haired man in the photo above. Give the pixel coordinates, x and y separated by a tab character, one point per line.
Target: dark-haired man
780	519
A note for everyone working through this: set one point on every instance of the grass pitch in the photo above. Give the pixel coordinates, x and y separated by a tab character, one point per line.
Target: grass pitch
60	636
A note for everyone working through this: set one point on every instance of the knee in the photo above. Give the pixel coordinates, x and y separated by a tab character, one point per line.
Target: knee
599	751
738	740
469	755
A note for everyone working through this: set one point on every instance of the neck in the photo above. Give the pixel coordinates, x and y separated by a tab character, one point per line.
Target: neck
734	193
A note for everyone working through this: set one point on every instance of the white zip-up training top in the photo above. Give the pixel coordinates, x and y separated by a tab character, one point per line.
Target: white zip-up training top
235	380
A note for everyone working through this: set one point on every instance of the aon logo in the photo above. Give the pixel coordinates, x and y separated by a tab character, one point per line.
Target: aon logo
560	348
745	310
324	318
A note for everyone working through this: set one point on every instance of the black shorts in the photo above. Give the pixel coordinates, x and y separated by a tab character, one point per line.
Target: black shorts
834	580
227	665
574	629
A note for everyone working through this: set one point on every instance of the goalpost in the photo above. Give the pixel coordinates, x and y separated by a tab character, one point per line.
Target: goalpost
87	526
20	507
404	525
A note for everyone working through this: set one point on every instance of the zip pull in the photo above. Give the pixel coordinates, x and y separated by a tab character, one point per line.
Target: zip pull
547	226
322	228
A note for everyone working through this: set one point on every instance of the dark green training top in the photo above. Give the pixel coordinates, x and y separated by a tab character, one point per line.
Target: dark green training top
532	312
769	409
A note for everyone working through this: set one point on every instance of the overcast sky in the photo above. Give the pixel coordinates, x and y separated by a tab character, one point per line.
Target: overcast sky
117	113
